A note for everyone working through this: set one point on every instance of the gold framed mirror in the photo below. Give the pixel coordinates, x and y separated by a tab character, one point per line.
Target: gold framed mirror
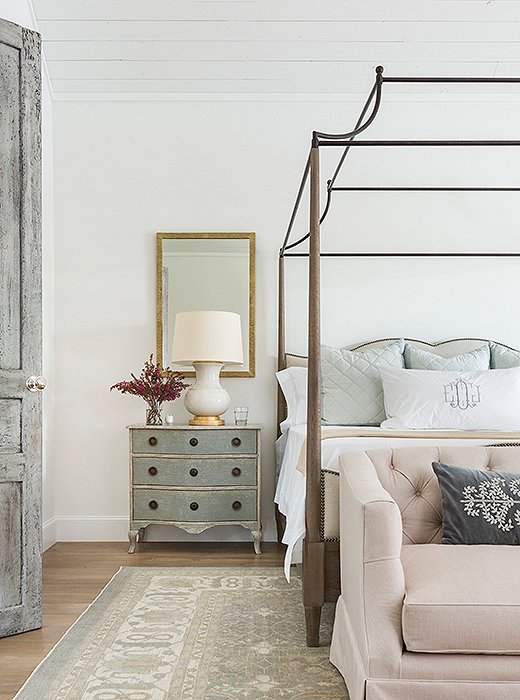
205	271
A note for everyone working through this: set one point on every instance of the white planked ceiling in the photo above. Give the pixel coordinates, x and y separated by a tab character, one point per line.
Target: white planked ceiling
287	47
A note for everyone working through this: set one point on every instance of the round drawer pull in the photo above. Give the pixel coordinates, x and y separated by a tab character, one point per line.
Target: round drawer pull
152	441
194	442
152	471
236	471
194	472
153	505
236	505
194	505
236	442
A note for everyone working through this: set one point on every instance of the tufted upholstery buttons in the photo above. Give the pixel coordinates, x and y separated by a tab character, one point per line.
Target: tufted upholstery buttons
407	475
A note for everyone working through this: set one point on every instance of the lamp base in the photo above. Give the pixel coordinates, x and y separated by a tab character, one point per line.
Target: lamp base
206	399
207	420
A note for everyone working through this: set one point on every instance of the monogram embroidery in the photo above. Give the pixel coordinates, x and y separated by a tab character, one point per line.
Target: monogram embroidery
462	394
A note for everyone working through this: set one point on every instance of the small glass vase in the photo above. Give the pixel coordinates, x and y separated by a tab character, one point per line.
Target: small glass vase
153	415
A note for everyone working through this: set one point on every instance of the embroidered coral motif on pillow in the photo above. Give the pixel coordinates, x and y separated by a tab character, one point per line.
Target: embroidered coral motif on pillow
493	500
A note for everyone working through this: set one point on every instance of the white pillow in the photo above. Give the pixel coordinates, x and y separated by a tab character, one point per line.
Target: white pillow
293	383
437	400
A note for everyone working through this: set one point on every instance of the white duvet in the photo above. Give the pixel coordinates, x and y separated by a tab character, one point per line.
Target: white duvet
290	491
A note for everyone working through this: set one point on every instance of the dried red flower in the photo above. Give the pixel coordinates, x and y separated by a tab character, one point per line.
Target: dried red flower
155	385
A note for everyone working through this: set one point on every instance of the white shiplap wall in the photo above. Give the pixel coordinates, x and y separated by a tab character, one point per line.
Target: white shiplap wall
186	115
271	46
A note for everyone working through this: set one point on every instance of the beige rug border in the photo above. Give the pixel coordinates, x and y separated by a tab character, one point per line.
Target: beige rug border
61	639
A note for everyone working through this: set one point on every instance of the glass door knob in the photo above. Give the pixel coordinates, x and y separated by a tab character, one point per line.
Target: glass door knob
36	383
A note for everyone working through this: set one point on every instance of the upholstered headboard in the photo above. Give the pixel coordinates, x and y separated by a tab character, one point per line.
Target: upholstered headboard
445	348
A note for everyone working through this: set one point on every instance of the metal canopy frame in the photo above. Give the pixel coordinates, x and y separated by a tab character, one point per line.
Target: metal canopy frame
314	585
347	141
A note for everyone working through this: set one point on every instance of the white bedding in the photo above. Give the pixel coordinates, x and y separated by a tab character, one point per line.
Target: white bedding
290	490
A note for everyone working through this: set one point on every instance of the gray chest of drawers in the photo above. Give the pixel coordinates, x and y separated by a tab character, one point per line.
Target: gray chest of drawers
194	478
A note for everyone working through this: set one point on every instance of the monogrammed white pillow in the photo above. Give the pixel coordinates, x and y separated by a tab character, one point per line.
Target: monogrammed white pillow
437	400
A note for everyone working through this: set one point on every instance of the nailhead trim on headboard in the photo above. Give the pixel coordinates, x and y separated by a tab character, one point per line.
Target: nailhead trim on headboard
414	340
432	345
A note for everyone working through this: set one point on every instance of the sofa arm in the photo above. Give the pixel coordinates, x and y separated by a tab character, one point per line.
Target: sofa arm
372	578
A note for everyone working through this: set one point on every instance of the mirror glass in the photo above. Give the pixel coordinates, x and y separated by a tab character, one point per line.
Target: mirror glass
206	272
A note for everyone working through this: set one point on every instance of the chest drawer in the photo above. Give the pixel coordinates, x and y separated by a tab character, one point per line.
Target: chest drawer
194	506
192	472
197	442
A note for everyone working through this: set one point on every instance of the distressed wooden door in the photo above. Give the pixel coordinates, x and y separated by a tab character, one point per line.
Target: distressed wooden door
20	330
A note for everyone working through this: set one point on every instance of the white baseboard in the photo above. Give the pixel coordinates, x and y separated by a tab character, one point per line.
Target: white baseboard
49	534
115	529
85	528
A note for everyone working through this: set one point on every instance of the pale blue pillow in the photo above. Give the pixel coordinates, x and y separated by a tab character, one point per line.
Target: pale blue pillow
352	392
504	358
475	360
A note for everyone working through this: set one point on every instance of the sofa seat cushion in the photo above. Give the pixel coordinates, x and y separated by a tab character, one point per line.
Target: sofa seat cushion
461	599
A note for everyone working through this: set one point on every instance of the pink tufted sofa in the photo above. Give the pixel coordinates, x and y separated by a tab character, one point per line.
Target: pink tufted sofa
416	619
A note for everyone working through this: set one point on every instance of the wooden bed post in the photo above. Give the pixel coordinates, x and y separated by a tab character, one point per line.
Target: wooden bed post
313	546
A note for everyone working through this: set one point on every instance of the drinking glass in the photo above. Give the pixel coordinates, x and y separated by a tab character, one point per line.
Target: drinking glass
241	415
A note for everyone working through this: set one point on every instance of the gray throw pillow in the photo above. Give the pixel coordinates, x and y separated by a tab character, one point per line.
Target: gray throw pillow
479	507
504	358
352	393
475	360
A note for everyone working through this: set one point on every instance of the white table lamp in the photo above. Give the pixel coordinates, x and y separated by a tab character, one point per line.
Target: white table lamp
207	340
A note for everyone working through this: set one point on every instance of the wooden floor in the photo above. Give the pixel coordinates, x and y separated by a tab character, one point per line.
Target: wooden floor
75	572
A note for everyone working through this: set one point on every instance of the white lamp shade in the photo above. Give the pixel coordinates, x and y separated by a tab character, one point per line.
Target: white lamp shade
207	336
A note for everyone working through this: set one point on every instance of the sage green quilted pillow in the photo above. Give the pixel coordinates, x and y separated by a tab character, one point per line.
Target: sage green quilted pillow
352	393
503	357
472	361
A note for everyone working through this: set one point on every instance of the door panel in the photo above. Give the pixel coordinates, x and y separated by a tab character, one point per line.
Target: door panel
10	534
20	330
11	436
10	188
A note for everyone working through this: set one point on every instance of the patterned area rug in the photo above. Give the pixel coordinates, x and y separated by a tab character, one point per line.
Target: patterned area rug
190	634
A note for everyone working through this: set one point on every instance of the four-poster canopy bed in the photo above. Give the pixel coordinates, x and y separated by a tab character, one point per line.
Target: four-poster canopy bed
320	557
